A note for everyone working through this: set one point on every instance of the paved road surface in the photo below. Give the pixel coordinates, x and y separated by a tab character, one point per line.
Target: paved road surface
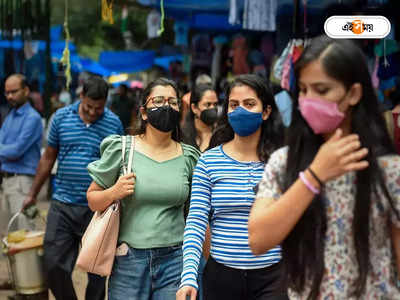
79	278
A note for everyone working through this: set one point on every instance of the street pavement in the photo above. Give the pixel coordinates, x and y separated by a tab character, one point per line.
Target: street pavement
79	278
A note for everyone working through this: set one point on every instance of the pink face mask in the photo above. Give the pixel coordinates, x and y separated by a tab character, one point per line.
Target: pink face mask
321	115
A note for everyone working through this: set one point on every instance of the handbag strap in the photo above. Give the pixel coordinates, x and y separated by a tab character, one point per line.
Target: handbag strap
131	152
124	170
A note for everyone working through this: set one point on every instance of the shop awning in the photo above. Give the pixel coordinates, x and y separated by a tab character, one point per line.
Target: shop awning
126	61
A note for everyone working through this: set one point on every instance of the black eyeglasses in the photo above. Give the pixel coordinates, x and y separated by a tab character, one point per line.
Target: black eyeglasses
159	101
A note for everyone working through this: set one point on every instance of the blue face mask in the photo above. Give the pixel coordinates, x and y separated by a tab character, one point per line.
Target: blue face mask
244	122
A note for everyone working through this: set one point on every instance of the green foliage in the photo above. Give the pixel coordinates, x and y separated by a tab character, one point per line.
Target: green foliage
90	34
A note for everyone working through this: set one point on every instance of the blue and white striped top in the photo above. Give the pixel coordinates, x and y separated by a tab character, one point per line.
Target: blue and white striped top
78	144
222	194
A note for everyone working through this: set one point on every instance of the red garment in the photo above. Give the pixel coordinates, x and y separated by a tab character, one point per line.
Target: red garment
297	51
240	51
285	81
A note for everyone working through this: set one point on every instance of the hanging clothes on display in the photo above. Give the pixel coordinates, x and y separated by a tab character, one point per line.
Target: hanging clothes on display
31	48
218	42
181	29
233	12
239	55
389	67
287	67
278	66
374	74
260	15
388	53
284	66
294	54
386	47
284	103
153	24
201	50
256	59
267	47
272	78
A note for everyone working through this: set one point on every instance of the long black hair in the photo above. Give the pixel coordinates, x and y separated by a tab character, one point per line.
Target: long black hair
272	131
303	249
189	130
176	132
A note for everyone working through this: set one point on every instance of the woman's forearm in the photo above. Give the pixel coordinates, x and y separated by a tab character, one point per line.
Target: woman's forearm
271	220
98	198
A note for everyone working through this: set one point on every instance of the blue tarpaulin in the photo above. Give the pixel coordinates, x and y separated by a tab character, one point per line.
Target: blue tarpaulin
56	32
110	62
164	61
90	65
199	5
127	61
219	6
18	44
212	21
213	14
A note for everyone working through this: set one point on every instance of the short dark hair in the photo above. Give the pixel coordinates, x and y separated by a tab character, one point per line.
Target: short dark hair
95	88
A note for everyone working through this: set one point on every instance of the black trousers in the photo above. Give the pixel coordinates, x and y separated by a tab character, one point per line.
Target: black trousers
65	227
222	282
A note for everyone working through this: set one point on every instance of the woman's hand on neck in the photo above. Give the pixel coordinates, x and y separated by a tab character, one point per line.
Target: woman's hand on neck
345	126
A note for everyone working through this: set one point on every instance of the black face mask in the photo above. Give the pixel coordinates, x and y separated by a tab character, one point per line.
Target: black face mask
209	116
163	118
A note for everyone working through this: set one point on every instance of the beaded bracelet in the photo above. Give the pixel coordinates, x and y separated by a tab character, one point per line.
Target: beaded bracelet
308	184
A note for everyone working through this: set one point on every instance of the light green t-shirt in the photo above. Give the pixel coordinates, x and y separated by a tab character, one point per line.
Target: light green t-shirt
153	216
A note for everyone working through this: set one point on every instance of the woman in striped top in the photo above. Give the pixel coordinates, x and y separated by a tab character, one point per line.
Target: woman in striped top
223	192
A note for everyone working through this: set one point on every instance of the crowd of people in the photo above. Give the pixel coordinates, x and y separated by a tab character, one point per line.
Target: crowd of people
233	205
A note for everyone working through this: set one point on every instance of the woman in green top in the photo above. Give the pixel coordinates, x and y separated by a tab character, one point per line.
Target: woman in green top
148	262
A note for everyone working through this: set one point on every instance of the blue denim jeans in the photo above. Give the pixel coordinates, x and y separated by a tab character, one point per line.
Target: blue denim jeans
146	274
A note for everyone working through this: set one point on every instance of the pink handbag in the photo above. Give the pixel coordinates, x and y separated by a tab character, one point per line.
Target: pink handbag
99	241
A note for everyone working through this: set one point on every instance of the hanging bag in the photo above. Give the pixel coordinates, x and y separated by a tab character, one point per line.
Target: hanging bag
99	241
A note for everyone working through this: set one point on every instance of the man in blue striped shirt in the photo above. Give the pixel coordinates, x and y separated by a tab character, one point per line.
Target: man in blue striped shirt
74	139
